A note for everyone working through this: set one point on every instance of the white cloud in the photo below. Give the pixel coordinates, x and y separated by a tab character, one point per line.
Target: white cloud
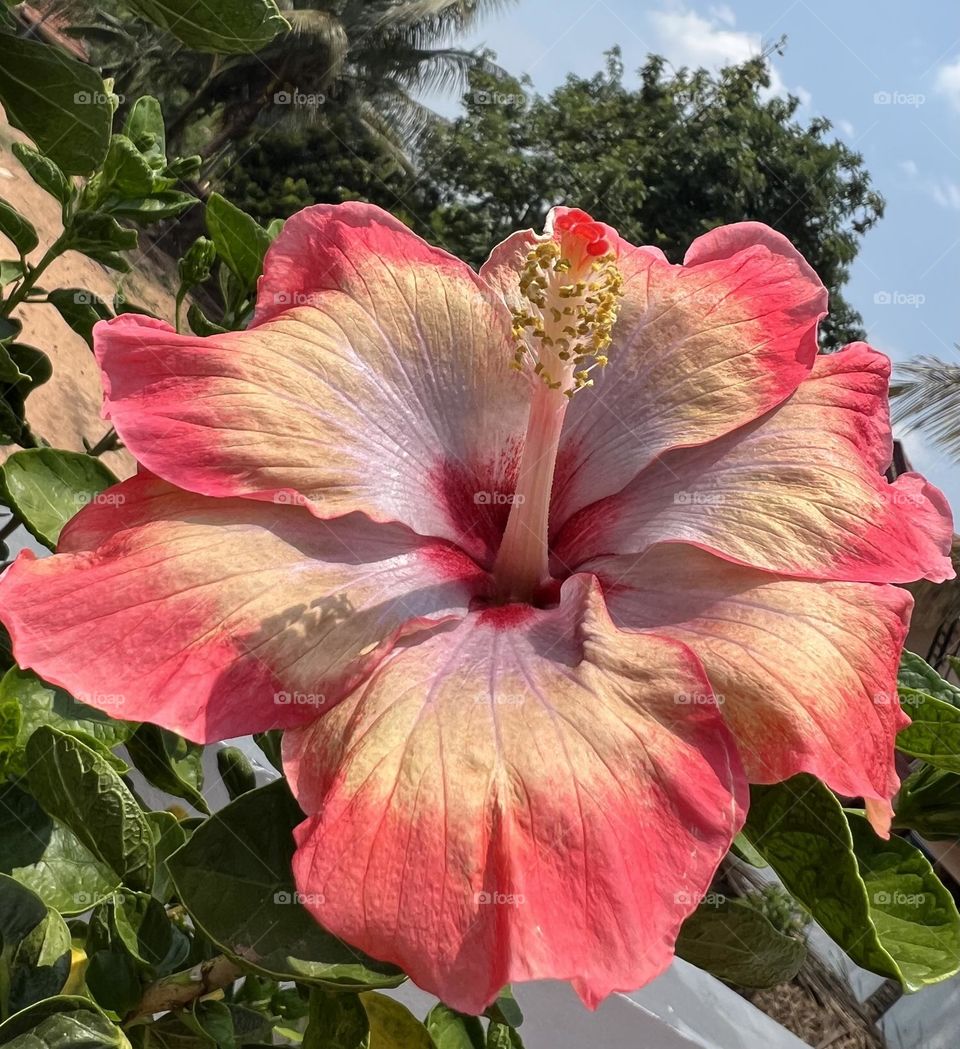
946	194
909	168
846	127
947	82
687	38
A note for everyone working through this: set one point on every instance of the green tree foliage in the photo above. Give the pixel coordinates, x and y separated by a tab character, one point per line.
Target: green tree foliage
663	162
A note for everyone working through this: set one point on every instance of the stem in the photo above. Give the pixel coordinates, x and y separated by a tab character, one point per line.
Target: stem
183	988
108	442
522	564
55	249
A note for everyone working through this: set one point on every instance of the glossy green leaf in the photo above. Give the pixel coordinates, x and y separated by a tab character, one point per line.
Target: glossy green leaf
43	855
224	26
736	943
168	836
34	948
81	309
9	372
170	762
913	936
17	229
919	675
44	704
47	486
240	240
249	845
452	1030
934	733
43	171
57	101
79	788
63	1022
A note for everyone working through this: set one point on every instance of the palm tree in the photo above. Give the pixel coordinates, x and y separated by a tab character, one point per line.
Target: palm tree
926	397
371	56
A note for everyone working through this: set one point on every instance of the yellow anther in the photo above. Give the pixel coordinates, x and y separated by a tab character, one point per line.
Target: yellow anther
571	321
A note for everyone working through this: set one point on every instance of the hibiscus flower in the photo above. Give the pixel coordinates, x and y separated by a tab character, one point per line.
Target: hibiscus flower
537	568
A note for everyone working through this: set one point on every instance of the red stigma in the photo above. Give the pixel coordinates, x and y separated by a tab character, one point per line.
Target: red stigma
592	237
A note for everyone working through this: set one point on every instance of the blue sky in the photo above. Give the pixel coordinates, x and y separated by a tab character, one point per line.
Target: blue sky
887	74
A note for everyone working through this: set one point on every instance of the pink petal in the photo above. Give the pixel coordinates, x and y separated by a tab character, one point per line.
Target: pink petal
805	672
216	618
520	797
384	385
698	350
799	492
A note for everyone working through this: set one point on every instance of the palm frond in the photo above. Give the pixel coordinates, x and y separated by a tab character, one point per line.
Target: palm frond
926	398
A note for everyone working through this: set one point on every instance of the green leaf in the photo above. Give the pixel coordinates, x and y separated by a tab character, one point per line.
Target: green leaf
47	858
336	1021
170	762
801	830
33	363
934	734
81	309
916	674
9	372
63	1022
166	204
17	229
47	486
10	270
168	836
144	127
78	787
236	771
392	1025
111	977
10	721
452	1030
126	172
200	324
44	172
249	845
137	925
736	943
34	948
57	101
229	27
500	1036
240	240
43	704
505	1009
100	236
929	803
